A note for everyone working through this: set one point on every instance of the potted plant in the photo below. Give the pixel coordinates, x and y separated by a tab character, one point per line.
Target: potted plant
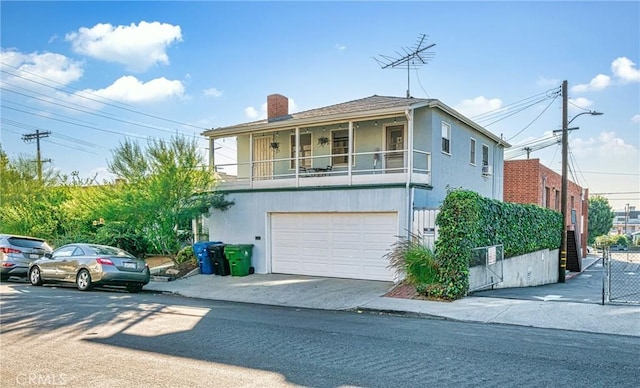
323	140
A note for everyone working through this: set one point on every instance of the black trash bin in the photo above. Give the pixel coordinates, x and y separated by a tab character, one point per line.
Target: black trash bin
220	262
204	260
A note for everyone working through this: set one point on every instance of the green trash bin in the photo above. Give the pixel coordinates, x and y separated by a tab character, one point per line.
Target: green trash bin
239	257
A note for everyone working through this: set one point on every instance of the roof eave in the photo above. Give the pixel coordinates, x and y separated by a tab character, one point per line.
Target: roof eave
445	108
309	121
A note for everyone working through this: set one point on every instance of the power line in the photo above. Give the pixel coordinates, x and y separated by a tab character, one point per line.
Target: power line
534	120
489	115
80	125
85	111
92	94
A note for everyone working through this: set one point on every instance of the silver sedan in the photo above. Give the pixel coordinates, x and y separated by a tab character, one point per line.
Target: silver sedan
87	265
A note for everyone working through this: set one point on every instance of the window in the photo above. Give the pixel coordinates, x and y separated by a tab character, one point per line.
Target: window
446	138
547	196
339	147
472	151
485	155
305	150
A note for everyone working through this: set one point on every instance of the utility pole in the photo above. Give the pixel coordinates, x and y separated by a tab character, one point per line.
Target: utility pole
565	151
563	206
28	138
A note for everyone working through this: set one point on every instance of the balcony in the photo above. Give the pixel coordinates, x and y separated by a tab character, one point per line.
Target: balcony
366	168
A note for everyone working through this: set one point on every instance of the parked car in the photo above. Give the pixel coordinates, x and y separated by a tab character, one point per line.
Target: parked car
16	252
89	265
618	247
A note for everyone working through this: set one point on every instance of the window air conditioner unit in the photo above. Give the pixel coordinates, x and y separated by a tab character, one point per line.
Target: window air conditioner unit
487	170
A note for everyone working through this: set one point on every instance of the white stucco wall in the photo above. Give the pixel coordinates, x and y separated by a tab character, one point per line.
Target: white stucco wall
246	222
532	269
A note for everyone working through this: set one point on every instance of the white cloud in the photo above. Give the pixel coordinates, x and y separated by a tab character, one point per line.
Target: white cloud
599	82
213	92
624	69
578	105
636	118
136	46
39	67
341	47
130	89
548	82
251	112
606	146
478	105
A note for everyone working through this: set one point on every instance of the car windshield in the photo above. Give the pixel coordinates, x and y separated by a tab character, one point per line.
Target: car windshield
109	251
28	243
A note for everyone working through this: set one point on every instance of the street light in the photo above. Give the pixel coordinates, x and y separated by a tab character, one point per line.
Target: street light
591	112
565	134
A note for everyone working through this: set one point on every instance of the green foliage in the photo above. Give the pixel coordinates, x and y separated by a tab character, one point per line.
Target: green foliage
124	236
600	217
161	189
411	258
466	221
164	186
186	255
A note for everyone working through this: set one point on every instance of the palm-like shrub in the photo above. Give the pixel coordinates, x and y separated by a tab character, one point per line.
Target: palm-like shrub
411	259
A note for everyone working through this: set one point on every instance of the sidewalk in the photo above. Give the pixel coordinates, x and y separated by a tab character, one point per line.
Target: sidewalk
363	295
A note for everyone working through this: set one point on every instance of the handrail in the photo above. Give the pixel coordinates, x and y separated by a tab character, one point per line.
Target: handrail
284	168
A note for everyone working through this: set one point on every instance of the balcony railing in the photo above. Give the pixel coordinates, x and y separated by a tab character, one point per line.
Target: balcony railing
379	167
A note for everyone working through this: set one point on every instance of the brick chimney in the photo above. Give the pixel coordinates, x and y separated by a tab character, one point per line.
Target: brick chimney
277	106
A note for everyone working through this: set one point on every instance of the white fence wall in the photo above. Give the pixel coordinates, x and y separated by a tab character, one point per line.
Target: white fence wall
531	269
424	225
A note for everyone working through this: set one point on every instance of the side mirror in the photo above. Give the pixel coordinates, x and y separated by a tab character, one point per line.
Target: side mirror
48	255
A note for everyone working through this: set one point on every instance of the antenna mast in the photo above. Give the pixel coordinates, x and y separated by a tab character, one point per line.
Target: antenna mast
412	56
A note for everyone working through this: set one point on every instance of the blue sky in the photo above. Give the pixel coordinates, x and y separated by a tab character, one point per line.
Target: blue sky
94	73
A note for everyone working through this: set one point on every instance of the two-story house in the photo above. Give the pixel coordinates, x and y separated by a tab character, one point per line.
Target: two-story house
327	192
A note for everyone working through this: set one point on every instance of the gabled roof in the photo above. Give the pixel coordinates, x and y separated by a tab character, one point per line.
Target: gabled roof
374	102
363	108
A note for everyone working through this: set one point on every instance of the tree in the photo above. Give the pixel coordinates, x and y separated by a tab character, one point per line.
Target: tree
163	188
600	217
27	205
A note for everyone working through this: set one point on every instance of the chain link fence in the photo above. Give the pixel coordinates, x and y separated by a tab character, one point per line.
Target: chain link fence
621	276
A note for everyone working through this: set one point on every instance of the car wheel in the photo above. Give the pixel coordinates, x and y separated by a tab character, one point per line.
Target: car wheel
35	277
83	280
134	288
4	278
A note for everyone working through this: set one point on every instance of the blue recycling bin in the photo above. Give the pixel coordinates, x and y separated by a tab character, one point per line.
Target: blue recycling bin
204	260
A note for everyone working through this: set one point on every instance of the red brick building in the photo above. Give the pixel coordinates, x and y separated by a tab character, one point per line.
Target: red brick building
528	181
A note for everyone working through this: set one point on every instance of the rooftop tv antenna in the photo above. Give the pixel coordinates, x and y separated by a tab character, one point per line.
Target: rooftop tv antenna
411	56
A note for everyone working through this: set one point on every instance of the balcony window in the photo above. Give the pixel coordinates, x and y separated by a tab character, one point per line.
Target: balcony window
304	150
339	147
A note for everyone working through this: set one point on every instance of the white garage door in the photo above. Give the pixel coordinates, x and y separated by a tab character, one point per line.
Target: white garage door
343	245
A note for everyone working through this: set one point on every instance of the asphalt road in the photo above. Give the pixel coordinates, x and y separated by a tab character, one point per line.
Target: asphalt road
64	337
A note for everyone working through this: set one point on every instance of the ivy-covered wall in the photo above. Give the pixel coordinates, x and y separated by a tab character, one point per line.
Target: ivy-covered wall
467	220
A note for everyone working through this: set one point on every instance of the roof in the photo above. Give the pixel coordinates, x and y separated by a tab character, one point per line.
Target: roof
374	102
362	108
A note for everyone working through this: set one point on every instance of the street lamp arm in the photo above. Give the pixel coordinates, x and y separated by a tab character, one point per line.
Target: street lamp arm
591	112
